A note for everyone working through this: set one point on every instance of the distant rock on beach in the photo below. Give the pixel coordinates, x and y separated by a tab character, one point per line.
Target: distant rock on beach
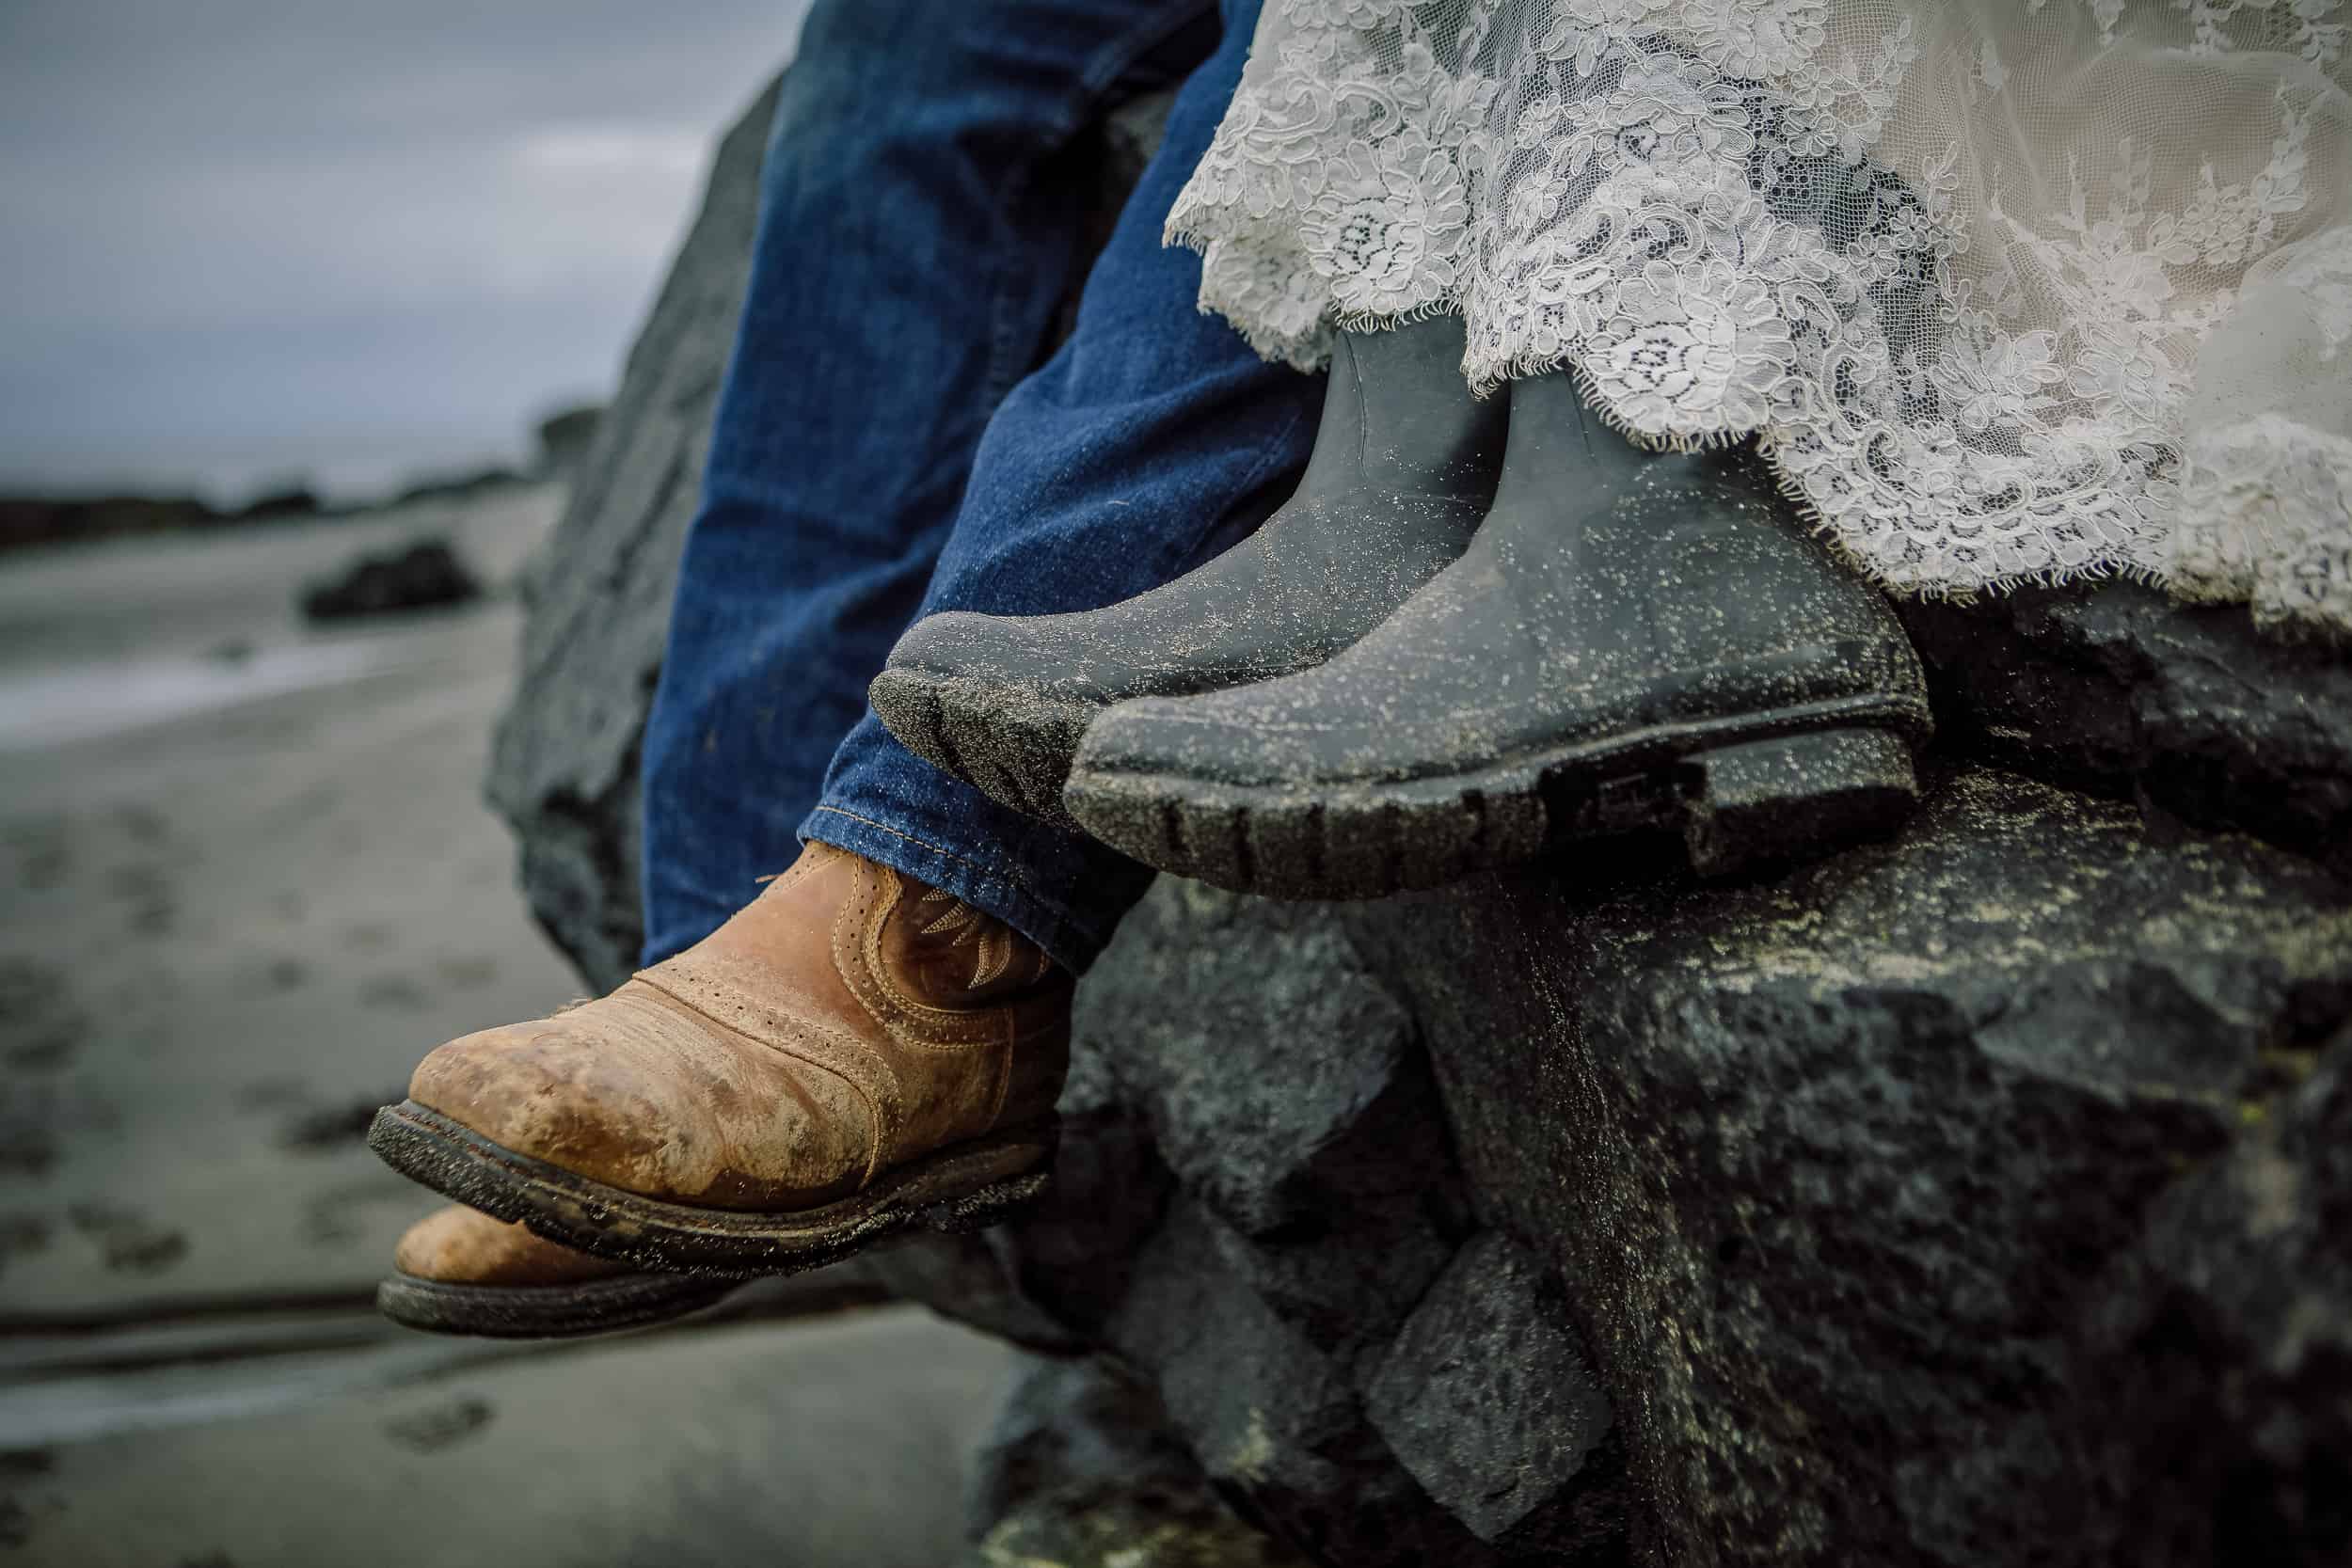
30	521
427	574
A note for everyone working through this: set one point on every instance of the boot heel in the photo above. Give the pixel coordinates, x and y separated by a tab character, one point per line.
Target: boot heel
1794	796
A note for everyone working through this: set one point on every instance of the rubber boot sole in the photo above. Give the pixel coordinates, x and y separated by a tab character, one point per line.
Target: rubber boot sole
1013	745
546	1311
966	1187
1747	791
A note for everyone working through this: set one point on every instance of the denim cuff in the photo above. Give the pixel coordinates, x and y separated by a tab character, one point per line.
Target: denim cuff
894	836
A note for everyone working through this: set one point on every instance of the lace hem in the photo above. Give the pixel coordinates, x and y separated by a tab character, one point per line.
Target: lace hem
1769	219
2266	517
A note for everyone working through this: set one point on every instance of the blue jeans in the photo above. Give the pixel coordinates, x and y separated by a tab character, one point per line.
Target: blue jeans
881	454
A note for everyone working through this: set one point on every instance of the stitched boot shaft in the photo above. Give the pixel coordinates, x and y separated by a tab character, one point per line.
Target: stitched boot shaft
1404	467
1619	611
846	1022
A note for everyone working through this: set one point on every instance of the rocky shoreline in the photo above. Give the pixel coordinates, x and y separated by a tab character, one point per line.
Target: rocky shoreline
31	521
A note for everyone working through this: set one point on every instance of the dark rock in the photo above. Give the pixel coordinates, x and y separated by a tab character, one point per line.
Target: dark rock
425	576
291	501
1831	1166
1254	1338
1276	1424
30	521
963	1277
1251	1337
2220	1349
1284	1194
2119	690
1489	1399
1289	1091
1070	1260
1271	1134
1082	1471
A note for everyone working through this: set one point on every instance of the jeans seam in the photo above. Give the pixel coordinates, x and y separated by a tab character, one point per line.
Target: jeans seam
920	843
1010	877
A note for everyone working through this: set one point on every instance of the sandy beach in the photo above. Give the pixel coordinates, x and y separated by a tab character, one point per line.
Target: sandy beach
245	879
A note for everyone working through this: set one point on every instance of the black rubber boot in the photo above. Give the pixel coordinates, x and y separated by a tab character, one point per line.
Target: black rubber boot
1403	469
1634	639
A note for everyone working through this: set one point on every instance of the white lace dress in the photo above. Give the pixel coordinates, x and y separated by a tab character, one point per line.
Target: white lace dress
2010	290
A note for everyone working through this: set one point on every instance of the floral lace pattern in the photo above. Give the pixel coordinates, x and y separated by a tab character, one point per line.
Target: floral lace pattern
1957	266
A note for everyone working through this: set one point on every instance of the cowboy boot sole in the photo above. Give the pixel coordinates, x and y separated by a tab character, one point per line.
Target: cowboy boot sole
1013	745
969	1186
546	1311
1748	790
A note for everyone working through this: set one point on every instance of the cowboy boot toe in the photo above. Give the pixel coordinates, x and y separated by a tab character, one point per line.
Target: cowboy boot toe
633	1094
854	1054
457	1245
555	1090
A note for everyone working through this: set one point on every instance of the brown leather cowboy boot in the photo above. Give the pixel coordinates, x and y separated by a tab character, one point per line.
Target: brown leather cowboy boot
461	1272
853	1055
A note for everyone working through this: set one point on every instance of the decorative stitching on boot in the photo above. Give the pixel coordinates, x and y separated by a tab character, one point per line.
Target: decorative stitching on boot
870	980
918	843
970	925
867	1071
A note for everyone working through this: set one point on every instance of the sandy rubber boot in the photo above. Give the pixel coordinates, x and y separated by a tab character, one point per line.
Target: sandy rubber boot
1404	467
1634	641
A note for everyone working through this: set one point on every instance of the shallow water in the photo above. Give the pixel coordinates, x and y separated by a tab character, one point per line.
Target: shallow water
43	708
102	639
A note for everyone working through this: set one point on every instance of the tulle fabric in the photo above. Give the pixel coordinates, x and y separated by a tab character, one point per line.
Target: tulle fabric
2036	290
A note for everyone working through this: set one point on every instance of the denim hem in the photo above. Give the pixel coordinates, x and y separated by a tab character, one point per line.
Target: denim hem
1045	920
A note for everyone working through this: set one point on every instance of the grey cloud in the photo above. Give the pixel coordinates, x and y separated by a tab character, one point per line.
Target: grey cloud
245	237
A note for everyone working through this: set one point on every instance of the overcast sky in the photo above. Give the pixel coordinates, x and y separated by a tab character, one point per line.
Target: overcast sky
242	240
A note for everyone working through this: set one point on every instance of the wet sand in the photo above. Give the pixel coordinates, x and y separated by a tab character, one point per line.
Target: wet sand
245	879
